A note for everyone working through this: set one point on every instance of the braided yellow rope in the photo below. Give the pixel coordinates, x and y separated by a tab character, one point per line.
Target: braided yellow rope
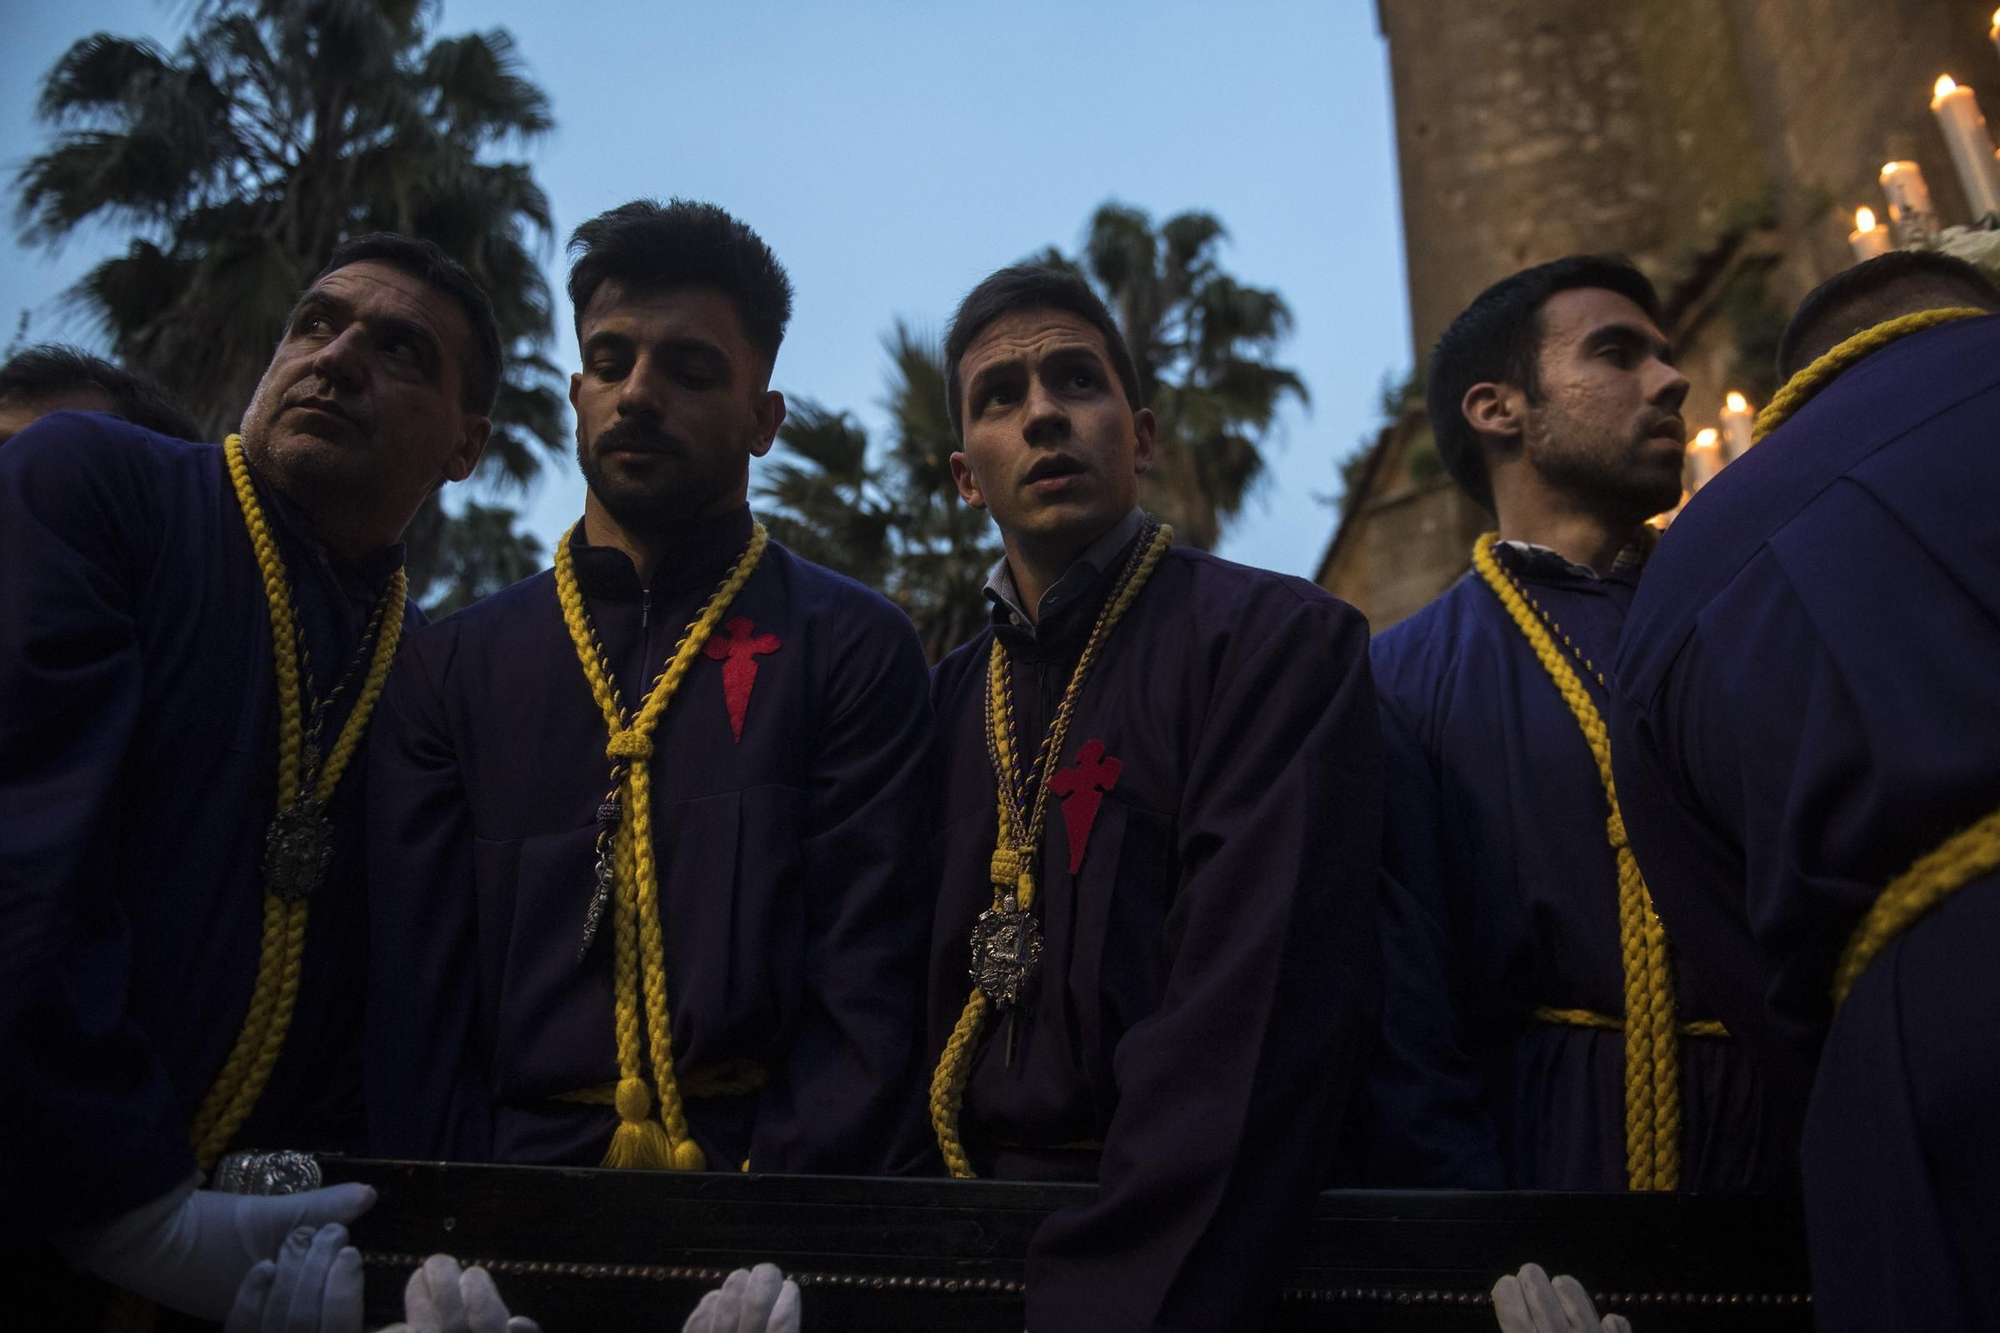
638	951
1019	839
1802	387
1960	859
280	956
1652	1053
1585	1018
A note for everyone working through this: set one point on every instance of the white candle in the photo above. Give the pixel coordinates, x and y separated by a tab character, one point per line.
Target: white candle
1737	419
1869	239
1910	215
1994	31
1704	460
1957	112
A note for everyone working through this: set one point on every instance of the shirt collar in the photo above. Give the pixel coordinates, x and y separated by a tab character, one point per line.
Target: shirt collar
1004	599
1629	561
699	553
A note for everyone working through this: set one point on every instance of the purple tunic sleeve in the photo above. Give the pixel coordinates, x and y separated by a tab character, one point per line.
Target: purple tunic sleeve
424	1075
1230	1095
848	1099
1428	1125
90	1124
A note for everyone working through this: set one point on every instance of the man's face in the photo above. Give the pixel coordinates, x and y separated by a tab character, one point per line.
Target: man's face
671	405
1607	422
17	414
364	397
1052	448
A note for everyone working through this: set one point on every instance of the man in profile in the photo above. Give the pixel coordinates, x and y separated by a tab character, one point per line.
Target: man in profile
1807	742
181	624
1536	1034
1157	849
644	840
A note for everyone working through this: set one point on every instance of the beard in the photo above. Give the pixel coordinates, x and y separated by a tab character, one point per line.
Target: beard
676	483
1622	476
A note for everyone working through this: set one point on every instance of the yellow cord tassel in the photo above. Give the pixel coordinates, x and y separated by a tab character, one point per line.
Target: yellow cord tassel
639	970
1801	388
280	956
1019	838
1652	1049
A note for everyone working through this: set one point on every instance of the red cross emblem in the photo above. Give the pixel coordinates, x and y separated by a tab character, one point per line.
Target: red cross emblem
738	647
1082	791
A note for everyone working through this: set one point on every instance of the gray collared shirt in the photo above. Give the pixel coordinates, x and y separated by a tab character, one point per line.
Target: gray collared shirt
1005	599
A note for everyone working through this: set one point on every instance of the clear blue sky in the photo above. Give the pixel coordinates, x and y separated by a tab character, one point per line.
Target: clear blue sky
893	153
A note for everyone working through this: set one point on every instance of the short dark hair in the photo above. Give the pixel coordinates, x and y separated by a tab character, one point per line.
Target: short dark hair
1031	287
1858	298
428	261
1498	339
647	246
51	370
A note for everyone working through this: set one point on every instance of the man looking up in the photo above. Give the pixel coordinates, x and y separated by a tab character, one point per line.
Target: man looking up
1158	849
49	377
1536	1036
179	625
644	836
1807	741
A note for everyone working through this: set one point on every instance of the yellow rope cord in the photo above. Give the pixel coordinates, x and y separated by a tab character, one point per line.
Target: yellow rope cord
1019	837
280	956
1802	387
1586	1018
638	950
1652	1054
1960	859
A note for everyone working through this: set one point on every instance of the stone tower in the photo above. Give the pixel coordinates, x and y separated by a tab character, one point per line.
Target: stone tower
1722	144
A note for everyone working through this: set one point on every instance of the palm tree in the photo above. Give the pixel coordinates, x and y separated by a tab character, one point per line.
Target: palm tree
1203	343
894	520
276	129
480	553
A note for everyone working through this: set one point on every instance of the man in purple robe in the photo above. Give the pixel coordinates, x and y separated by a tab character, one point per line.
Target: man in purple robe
174	983
645	829
1808	709
1156	851
1510	953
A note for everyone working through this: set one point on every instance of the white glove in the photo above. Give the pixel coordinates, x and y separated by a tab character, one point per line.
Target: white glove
1531	1303
191	1249
756	1300
439	1298
313	1287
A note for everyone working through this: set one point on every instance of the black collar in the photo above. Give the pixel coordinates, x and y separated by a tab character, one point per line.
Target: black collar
699	554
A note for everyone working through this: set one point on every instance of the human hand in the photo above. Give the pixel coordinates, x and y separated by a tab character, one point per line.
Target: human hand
191	1249
1532	1303
442	1298
756	1300
313	1286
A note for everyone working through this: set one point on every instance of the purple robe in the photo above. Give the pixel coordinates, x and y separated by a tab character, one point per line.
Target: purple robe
138	770
1500	896
1809	702
790	886
1203	995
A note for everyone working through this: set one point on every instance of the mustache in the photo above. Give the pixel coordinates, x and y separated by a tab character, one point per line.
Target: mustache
1664	423
322	396
637	436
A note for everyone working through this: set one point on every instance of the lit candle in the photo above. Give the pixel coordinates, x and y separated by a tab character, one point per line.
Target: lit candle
1737	419
1994	31
1910	215
1704	459
1957	112
1662	521
1869	239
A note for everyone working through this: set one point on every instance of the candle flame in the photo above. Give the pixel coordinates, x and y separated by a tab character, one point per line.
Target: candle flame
1703	438
1737	402
1945	85
1864	219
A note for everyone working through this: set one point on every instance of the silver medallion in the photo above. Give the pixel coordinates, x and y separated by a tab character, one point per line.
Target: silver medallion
284	1172
1006	946
594	915
298	848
